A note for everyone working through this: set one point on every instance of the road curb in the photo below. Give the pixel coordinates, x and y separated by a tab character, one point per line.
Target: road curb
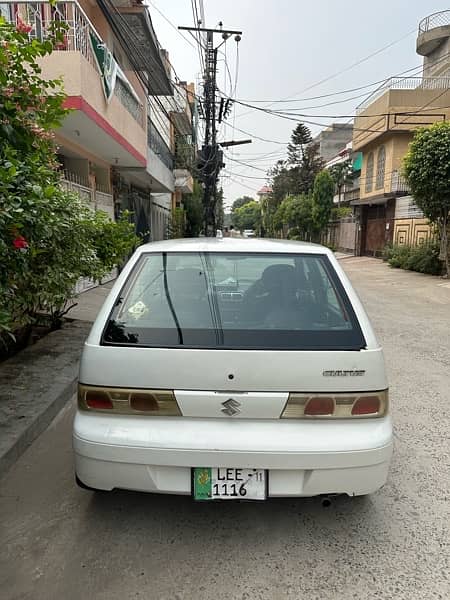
35	385
342	256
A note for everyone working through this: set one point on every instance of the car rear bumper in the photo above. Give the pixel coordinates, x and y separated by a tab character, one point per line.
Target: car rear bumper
302	458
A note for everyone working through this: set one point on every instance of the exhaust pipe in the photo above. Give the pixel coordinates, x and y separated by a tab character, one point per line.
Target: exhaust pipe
326	502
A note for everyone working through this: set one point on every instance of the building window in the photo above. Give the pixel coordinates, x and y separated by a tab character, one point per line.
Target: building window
369	173
381	161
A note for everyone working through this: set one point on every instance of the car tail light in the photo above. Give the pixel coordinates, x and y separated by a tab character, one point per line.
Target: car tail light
97	399
336	406
161	403
319	406
366	405
143	402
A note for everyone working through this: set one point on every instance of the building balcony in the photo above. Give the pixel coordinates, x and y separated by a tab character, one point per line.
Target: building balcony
95	198
160	161
184	182
181	114
398	185
113	130
401	105
432	31
133	16
351	194
184	152
393	186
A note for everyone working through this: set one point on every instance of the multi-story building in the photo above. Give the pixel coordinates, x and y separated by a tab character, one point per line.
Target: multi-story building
117	145
350	187
332	139
342	232
184	142
384	127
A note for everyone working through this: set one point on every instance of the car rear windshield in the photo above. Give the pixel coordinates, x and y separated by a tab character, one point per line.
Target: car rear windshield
234	301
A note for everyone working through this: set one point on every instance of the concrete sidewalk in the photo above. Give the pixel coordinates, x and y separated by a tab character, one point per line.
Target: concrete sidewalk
89	303
37	382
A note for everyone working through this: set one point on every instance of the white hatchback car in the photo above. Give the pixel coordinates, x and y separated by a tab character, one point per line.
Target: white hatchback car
233	369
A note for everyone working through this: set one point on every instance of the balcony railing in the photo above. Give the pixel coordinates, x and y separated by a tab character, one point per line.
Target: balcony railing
80	185
405	83
134	107
98	198
76	37
157	144
398	184
438	19
352	194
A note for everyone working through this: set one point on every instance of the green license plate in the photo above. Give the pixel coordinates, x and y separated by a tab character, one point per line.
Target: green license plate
220	483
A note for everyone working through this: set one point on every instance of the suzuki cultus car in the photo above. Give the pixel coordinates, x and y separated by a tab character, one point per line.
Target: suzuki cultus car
233	369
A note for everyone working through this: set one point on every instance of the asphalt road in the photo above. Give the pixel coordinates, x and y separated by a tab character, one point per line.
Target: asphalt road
59	542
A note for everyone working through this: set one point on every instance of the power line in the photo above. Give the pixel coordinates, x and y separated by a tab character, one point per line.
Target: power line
210	154
246	176
252	189
331	94
245	164
341	71
253	135
197	23
300	114
412	73
301	118
172	25
286	113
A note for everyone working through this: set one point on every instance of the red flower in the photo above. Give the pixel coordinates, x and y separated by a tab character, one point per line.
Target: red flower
20	242
22	27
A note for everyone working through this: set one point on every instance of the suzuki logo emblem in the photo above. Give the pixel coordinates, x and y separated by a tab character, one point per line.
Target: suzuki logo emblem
231	407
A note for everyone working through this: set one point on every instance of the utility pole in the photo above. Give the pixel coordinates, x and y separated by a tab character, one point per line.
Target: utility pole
211	156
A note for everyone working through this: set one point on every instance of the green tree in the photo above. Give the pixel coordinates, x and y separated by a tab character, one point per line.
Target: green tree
295	217
295	175
194	211
303	174
247	216
342	175
322	201
300	138
241	201
177	223
427	171
281	183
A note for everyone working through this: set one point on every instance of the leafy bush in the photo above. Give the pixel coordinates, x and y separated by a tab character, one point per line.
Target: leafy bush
111	241
48	237
423	258
177	223
340	212
397	256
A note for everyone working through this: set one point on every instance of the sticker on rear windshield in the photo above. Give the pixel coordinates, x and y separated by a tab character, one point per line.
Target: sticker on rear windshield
138	310
351	373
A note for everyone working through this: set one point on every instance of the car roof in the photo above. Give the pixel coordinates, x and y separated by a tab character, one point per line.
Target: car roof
234	245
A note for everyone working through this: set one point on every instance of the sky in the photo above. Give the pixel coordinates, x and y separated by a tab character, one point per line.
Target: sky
288	48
